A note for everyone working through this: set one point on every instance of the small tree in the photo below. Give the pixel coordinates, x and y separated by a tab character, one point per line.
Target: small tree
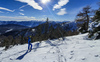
46	26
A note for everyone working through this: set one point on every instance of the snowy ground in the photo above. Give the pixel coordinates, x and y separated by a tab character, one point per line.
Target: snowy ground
72	49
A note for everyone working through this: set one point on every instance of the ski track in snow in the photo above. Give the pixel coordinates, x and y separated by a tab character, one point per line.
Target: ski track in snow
72	49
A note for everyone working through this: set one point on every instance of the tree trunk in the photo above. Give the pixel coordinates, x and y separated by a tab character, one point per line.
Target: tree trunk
87	16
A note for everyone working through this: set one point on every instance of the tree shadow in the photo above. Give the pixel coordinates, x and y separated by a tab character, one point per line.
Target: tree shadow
22	56
49	42
36	46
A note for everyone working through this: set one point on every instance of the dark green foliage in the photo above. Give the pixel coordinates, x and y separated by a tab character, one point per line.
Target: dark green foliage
83	29
51	32
97	16
9	41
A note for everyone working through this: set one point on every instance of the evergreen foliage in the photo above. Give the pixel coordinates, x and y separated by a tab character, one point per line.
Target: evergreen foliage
94	30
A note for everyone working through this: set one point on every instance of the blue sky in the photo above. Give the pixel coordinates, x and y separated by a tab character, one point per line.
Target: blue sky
55	10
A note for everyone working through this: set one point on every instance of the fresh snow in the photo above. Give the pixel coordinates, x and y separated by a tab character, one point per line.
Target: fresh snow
71	49
93	25
9	30
33	30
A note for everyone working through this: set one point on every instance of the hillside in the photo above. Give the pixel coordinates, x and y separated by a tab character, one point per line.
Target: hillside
57	29
11	27
72	49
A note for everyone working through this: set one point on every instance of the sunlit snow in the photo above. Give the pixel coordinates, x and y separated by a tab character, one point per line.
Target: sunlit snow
72	49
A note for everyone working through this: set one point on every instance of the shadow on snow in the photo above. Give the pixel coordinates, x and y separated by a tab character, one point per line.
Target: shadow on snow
37	45
22	56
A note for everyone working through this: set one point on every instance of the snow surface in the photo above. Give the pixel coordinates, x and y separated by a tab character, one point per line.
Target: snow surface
72	49
9	30
33	30
93	25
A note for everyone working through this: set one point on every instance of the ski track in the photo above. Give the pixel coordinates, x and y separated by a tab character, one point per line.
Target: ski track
71	49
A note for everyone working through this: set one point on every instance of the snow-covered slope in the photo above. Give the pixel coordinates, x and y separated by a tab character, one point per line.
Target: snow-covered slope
72	49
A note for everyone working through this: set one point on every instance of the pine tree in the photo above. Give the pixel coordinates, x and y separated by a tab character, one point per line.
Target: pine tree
46	26
83	16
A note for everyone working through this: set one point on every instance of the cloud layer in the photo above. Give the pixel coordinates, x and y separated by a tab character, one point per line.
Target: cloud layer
31	3
23	6
62	11
2	8
17	18
21	10
60	4
21	13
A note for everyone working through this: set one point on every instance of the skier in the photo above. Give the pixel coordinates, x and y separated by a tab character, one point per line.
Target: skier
29	43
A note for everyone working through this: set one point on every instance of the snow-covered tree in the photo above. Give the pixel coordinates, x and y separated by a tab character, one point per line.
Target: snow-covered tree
94	27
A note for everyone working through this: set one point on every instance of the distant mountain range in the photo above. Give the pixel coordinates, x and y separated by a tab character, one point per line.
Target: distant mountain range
23	23
6	26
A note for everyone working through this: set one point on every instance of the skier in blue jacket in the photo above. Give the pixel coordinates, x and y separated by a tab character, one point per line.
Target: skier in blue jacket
29	43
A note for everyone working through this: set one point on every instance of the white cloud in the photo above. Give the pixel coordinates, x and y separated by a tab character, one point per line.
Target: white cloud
62	11
23	6
60	4
21	13
21	10
17	18
2	8
31	3
45	1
